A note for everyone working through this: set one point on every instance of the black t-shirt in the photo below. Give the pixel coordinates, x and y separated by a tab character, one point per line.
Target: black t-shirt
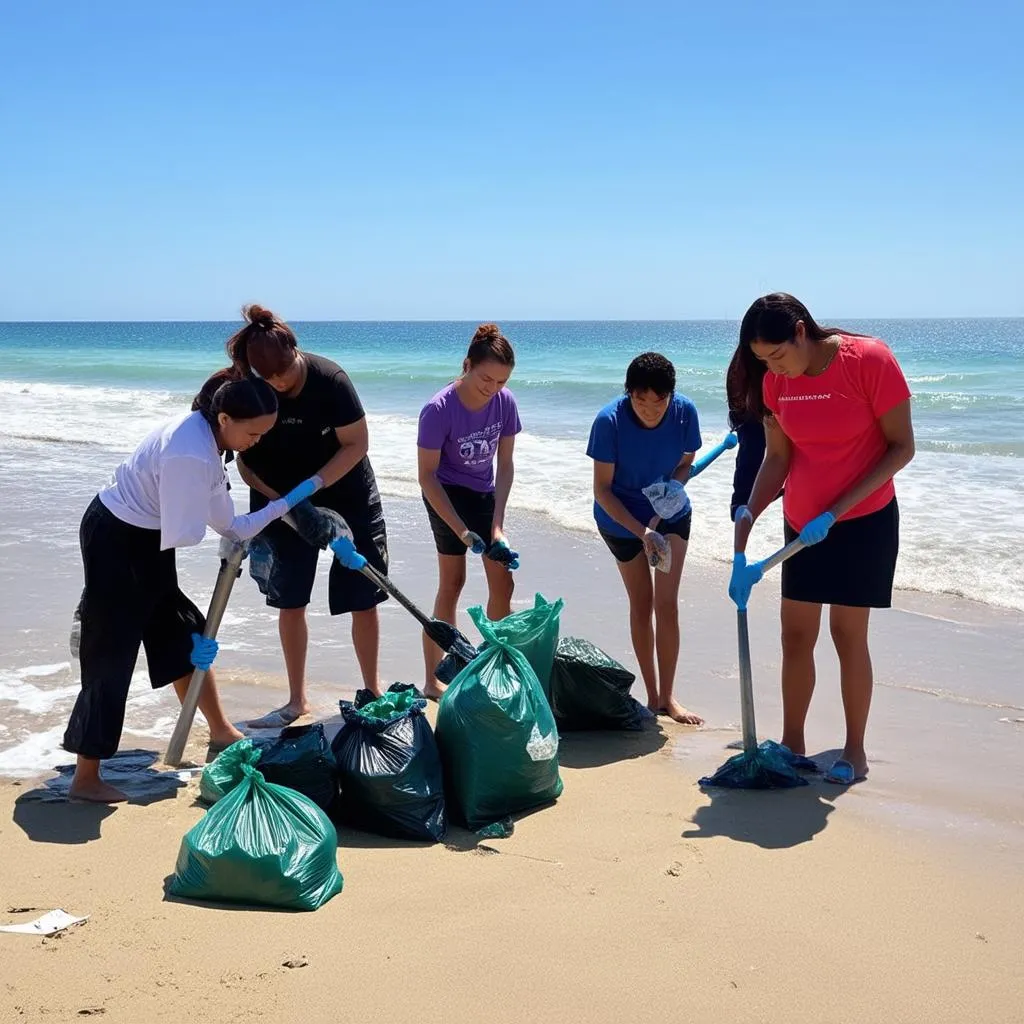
303	439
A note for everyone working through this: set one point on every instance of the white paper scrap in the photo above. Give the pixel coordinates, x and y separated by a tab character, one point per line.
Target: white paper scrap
48	924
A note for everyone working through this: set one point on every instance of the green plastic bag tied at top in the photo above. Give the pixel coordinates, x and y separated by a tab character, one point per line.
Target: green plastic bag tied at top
534	633
299	758
262	845
224	772
497	735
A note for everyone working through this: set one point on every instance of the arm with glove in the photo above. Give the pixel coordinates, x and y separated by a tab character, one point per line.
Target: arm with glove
498	549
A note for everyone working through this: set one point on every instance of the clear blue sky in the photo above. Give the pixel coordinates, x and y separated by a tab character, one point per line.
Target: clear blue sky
522	159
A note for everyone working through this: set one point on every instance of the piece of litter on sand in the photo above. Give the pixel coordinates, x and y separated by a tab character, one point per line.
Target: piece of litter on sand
298	962
49	924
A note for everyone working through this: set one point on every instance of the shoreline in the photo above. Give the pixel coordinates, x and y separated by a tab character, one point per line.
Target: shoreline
943	743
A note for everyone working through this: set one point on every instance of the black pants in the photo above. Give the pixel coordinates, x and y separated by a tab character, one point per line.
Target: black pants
131	599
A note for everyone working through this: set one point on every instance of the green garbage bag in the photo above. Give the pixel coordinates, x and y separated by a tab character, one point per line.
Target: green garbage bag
299	758
224	772
534	633
261	844
496	735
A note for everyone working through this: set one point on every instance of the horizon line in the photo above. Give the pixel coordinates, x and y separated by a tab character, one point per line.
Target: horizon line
511	319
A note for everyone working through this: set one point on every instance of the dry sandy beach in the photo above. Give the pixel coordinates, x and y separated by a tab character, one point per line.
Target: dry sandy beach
635	897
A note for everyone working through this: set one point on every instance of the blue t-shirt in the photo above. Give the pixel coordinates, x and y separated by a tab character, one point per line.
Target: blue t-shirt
642	455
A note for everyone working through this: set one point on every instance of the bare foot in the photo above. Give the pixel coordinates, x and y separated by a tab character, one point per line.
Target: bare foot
678	713
224	738
96	791
433	690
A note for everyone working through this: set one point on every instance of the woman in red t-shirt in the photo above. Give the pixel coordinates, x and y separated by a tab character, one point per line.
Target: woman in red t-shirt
836	409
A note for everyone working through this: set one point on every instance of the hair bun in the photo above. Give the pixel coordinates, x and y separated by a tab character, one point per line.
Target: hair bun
487	332
258	316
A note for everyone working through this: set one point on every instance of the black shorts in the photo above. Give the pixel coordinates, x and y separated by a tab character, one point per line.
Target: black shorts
854	565
295	570
131	599
625	549
474	508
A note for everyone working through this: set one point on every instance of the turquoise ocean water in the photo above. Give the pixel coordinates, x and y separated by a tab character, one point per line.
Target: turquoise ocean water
75	396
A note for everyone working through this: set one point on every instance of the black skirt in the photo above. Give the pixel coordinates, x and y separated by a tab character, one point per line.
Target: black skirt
854	565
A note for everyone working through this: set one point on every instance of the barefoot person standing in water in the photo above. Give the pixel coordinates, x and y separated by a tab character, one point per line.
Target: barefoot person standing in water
162	497
836	409
647	436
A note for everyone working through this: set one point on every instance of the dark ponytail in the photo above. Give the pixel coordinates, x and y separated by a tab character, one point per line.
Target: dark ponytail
240	397
489	343
265	344
771	319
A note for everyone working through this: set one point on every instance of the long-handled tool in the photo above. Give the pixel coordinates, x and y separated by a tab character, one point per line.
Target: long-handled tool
768	765
444	634
729	441
231	556
662	559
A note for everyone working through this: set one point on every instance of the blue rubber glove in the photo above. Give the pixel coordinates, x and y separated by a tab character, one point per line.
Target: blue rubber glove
743	579
817	529
474	542
300	492
204	650
345	551
499	551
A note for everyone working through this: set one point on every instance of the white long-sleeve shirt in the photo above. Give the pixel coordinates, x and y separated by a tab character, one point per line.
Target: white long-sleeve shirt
175	482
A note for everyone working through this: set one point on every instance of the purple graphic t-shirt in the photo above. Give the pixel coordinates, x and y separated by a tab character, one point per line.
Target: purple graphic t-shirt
468	441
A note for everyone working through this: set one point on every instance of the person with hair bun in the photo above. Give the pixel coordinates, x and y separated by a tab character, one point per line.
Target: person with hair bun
465	445
162	497
321	429
646	438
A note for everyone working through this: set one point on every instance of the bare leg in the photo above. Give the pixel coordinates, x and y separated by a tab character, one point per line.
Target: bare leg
666	614
222	732
636	576
849	628
366	641
451	580
800	624
294	633
500	586
87	784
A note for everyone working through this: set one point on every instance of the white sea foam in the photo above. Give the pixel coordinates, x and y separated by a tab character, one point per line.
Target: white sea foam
21	688
959	535
72	414
960	532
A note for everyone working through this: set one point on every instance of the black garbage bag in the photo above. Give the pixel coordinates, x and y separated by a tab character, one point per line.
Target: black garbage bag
590	690
389	769
301	759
